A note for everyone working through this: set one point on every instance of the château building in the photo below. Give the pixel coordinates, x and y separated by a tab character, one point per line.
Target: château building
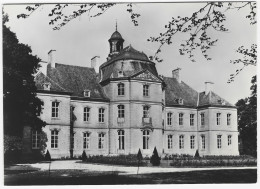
124	105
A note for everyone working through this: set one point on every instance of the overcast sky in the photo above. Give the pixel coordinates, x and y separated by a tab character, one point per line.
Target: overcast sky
84	38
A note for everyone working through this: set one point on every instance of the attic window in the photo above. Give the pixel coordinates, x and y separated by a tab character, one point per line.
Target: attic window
120	74
179	101
47	86
222	102
86	93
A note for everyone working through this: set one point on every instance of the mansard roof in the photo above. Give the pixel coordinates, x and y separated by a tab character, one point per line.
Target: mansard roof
73	79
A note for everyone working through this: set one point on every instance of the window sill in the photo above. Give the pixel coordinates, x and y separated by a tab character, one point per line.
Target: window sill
121	95
55	118
54	148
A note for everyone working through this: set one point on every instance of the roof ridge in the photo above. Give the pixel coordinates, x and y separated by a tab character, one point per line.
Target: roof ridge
74	66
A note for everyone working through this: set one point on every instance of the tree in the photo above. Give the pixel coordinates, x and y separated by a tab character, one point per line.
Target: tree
247	120
21	106
155	159
84	156
197	155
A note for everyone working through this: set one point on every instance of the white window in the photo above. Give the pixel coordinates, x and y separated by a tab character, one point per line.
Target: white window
146	139
145	90
86	114
101	115
218	118
192	142
35	139
181	142
54	139
180	118
86	93
219	141
191	119
203	142
169	118
228	119
55	110
101	140
121	139
146	111
229	140
121	111
169	141
121	89
202	119
86	140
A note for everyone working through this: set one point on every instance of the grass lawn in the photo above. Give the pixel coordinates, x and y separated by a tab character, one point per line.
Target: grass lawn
84	177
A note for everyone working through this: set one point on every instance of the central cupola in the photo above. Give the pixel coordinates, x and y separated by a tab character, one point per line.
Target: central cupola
116	43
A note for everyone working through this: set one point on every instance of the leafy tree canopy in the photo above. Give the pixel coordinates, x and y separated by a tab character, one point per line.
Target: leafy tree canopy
21	106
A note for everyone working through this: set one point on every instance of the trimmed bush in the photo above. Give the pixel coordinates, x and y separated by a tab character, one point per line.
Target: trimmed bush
155	159
197	155
139	155
47	156
84	156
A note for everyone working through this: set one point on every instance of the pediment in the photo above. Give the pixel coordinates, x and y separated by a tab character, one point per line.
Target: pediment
146	75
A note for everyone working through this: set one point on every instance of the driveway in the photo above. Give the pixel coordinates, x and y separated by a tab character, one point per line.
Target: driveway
123	170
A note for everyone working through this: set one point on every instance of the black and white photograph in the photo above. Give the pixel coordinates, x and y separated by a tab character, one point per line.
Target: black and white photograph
129	93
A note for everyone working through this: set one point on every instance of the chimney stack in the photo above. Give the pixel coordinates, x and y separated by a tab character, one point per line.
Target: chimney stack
51	58
95	63
208	87
176	74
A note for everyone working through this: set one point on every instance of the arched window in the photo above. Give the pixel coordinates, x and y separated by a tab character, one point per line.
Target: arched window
121	89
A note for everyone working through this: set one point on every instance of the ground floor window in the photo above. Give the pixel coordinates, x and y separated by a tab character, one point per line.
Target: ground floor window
181	142
169	141
146	139
121	139
219	141
203	142
54	139
86	140
35	139
101	140
229	140
192	142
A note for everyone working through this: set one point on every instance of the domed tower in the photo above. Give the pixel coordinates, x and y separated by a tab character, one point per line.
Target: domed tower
116	43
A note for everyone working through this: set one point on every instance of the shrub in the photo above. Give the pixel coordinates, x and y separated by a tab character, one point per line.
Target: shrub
84	156
155	159
139	155
47	156
197	155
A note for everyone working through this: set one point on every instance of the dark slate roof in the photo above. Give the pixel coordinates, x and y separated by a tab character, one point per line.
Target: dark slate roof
175	90
74	79
212	99
126	54
116	35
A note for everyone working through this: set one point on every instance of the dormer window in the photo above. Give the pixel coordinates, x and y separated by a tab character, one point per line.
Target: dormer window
120	73
222	102
47	86
86	93
179	101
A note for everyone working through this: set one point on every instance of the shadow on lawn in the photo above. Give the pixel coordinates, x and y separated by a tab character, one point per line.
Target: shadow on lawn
83	177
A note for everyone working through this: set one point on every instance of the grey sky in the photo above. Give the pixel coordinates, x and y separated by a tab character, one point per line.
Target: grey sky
83	38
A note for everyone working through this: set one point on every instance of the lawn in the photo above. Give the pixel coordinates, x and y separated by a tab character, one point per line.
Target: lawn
84	177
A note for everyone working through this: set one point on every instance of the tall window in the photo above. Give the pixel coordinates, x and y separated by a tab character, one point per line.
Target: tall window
121	111
203	142
229	139
146	111
228	119
146	90
202	119
55	110
191	119
101	115
180	118
35	139
121	139
218	118
219	141
54	139
101	140
145	139
192	142
169	141
181	142
86	114
121	89
86	140
169	118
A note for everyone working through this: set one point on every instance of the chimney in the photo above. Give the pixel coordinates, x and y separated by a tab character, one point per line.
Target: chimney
95	63
51	58
176	74
208	87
